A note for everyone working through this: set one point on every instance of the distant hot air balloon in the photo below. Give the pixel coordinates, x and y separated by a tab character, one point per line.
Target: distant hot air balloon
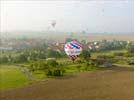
73	49
53	23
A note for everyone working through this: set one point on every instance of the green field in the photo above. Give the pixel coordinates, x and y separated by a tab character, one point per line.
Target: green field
111	52
11	77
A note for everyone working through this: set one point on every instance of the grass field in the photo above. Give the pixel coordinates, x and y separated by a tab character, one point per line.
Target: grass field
11	77
111	52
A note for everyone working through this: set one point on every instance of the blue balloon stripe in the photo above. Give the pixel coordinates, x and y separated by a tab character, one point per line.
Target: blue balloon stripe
78	44
75	46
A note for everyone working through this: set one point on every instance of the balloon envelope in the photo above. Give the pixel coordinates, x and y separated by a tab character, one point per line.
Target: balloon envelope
53	23
73	49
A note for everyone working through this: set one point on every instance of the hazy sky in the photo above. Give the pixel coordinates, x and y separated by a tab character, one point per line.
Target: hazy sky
92	16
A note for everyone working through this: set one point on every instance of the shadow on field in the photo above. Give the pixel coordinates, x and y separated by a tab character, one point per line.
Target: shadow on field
67	77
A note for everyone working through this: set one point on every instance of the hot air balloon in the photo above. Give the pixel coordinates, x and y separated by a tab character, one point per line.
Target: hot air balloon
73	49
53	23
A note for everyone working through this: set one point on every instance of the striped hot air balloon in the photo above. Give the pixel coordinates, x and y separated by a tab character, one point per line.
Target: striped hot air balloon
73	49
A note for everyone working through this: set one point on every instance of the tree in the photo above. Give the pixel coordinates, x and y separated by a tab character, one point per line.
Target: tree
53	54
131	48
52	63
4	59
83	42
68	40
85	55
41	55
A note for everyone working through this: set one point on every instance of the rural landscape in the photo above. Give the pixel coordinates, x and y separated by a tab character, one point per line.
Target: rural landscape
66	63
41	65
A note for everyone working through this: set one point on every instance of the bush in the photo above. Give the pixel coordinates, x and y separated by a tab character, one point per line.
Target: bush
85	55
79	61
131	48
51	53
51	67
3	59
118	54
129	54
105	56
54	68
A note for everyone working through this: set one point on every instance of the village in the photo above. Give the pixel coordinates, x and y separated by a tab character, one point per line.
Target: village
20	44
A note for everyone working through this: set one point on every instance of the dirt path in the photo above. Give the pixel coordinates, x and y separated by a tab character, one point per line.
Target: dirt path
111	84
